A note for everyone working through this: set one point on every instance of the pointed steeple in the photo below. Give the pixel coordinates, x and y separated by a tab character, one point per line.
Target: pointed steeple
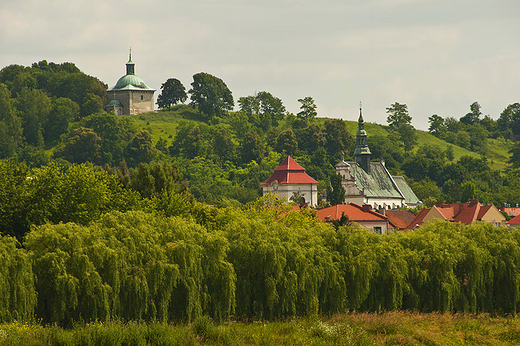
362	152
130	66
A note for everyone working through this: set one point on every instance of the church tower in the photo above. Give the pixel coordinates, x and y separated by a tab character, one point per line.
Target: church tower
130	95
362	152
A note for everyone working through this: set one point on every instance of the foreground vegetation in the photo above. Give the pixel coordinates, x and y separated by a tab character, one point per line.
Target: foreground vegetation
363	329
261	263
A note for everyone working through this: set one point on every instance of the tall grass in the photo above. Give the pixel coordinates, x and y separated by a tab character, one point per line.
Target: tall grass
363	329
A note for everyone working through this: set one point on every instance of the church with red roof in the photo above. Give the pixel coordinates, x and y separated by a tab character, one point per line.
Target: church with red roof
289	179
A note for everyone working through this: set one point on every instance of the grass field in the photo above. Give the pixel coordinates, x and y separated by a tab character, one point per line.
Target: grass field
163	124
391	328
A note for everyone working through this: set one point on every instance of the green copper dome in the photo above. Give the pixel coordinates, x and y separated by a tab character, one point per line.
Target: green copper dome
130	81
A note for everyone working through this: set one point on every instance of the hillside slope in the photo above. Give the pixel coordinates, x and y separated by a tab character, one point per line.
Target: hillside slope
163	124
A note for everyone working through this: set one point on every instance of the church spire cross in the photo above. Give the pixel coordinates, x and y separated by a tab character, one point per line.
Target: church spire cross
130	67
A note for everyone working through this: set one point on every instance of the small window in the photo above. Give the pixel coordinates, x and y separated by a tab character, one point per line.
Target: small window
142	97
377	230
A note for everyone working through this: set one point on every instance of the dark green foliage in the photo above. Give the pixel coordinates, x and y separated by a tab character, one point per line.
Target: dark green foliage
83	145
63	112
252	147
473	116
398	115
191	140
335	190
286	143
79	194
172	93
264	110
211	95
514	160
34	107
338	139
140	149
308	108
10	125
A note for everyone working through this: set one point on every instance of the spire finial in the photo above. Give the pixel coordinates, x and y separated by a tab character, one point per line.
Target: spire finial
360	112
130	55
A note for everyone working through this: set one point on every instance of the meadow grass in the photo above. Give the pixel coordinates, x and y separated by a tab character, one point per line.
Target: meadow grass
389	328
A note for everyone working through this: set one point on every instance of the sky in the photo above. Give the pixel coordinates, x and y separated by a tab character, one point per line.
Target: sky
436	56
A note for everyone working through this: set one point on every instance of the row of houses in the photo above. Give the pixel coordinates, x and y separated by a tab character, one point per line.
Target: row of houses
403	219
373	197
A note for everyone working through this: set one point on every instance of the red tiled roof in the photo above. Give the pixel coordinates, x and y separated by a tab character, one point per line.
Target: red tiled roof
516	219
418	220
401	218
290	172
483	210
447	211
354	212
466	213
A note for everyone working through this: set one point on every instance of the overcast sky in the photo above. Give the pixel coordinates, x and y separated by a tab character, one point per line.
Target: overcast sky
437	56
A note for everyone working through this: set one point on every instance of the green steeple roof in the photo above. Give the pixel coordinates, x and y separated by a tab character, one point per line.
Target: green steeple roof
362	152
130	81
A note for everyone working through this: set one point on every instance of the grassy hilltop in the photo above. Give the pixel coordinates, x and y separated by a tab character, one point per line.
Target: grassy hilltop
163	124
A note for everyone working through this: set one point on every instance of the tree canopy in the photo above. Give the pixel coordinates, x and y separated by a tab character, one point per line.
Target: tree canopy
172	92
211	95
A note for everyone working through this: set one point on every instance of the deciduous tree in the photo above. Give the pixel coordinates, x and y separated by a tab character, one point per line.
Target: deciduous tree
211	95
172	93
308	108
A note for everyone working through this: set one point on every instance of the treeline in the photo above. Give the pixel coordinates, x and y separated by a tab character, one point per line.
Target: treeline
259	263
54	113
472	130
37	103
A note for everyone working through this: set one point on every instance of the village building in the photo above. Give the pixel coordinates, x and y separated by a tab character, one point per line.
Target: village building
367	182
361	214
512	211
289	179
400	218
514	222
130	95
466	213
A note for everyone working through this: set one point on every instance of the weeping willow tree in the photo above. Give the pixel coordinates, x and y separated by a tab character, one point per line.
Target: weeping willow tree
17	292
131	266
263	262
283	265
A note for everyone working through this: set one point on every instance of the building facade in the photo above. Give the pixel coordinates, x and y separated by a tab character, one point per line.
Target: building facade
289	179
130	95
361	214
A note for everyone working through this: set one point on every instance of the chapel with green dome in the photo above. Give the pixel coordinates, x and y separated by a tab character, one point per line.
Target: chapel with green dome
130	95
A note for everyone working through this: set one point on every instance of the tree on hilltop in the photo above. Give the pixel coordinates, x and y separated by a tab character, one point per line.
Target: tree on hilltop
211	95
173	92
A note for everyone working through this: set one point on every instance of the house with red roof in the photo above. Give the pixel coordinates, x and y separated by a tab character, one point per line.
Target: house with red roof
514	222
466	213
361	214
400	218
290	179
